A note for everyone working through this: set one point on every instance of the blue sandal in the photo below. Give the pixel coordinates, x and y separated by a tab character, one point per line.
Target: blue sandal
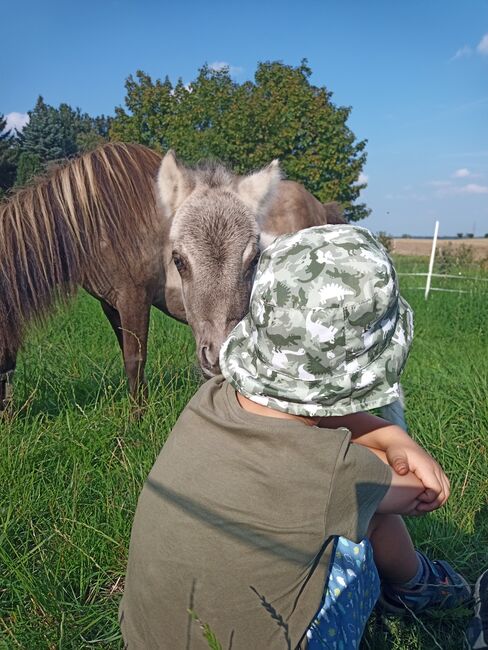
442	588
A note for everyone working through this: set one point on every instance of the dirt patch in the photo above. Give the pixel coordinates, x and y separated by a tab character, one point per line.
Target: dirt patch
403	246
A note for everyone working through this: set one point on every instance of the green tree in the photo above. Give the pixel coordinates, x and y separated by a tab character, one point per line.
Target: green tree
43	136
29	166
8	157
57	133
278	115
151	106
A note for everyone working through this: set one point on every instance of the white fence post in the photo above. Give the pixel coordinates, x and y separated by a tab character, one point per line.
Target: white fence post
431	263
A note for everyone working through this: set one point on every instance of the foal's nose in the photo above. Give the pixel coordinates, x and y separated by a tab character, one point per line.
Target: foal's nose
209	359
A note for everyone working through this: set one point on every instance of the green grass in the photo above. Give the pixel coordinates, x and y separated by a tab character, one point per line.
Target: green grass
72	464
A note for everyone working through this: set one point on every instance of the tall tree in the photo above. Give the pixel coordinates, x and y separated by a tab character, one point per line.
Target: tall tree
53	134
278	115
8	157
44	135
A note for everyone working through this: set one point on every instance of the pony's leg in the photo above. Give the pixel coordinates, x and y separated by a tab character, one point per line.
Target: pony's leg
114	319
7	367
134	324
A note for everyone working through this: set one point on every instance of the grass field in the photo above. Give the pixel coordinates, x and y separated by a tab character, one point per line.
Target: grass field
72	464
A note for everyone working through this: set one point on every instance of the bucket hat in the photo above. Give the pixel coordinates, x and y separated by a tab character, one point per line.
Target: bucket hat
327	331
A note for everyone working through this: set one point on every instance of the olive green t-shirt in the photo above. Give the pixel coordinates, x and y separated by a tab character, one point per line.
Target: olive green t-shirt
236	523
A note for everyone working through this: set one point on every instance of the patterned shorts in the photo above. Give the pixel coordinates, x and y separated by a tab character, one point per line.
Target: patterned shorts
352	591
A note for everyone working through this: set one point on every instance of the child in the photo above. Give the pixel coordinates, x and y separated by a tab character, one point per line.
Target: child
263	511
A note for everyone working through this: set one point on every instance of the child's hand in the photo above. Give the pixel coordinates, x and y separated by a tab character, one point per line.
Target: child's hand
411	457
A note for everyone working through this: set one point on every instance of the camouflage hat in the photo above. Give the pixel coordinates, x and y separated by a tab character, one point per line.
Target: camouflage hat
327	332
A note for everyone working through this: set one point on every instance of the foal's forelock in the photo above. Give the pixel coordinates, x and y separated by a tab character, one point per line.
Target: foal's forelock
213	225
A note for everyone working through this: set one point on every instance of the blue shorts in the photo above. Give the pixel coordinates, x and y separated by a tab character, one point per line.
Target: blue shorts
352	590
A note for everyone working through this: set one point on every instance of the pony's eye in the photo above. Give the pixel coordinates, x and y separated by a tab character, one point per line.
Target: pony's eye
179	262
253	264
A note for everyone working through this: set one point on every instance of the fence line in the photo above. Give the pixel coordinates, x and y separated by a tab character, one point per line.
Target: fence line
429	275
447	275
439	289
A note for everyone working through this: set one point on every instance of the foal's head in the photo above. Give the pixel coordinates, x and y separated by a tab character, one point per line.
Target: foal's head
214	236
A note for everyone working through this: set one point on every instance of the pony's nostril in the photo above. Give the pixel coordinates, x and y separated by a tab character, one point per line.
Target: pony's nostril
209	359
204	355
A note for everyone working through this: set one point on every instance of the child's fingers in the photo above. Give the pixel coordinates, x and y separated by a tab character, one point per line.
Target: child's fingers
430	500
432	483
398	460
424	508
428	495
444	482
414	510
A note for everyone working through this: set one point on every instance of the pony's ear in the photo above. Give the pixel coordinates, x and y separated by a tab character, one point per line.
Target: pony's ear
257	190
174	183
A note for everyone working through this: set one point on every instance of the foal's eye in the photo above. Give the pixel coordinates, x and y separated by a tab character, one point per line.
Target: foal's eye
179	262
253	264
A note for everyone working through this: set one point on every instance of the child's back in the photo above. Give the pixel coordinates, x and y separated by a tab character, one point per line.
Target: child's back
236	523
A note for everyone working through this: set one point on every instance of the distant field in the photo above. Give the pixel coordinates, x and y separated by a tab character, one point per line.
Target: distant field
404	246
72	464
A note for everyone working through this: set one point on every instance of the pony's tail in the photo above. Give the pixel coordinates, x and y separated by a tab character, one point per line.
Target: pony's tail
37	264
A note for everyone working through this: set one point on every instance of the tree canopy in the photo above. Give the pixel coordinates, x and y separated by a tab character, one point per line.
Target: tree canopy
53	134
280	114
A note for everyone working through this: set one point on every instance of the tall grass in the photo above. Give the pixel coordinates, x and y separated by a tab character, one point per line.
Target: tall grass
72	463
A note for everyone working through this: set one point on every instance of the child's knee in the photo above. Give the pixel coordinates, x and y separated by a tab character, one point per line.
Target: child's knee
379	520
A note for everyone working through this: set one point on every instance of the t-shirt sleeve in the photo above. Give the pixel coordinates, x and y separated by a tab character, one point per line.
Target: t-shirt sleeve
360	482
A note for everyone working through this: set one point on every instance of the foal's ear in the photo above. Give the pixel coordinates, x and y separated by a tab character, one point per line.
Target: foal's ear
257	190
174	183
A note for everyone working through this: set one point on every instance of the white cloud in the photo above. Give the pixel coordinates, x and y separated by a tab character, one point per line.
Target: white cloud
467	50
16	121
448	189
462	52
473	188
218	66
363	179
482	47
461	173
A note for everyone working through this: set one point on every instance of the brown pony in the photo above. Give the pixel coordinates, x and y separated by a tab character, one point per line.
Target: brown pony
135	230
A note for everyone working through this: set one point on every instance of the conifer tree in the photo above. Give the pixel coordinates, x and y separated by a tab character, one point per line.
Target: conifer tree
8	157
43	135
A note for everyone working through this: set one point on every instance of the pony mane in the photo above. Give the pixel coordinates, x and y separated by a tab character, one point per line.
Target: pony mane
51	233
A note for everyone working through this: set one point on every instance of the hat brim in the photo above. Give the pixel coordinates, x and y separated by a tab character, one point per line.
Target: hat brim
374	384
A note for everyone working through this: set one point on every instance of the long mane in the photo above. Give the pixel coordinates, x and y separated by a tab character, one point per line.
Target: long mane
51	232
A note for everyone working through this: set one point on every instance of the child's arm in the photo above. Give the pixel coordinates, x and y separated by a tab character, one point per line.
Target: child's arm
404	494
401	452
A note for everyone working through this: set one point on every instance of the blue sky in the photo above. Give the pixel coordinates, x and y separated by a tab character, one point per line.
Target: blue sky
415	74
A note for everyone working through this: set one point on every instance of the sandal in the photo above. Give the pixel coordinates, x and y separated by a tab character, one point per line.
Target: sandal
442	588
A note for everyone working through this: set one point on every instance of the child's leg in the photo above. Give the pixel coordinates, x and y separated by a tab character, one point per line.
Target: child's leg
410	581
394	554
